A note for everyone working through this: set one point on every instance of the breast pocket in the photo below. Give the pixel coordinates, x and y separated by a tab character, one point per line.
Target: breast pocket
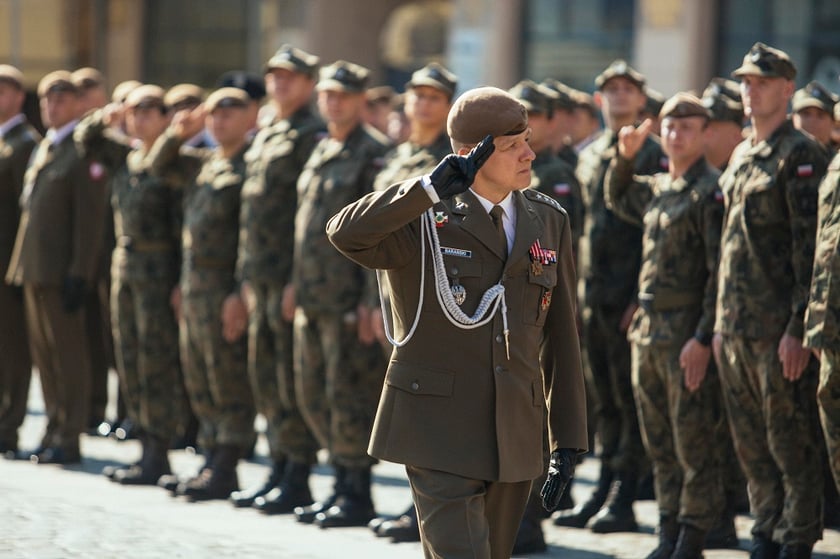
536	297
763	203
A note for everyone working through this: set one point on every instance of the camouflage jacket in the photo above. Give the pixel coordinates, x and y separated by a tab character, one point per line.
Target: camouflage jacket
822	319
769	228
554	177
611	248
681	220
269	196
16	146
409	160
336	174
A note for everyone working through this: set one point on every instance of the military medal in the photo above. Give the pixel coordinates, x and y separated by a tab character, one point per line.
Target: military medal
536	268
458	293
441	219
540	257
545	301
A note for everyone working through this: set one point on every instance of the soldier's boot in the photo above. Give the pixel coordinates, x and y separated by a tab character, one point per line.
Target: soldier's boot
111	470
690	543
580	515
354	506
530	538
246	498
155	463
402	529
669	532
291	493
217	482
763	547
308	513
723	534
617	514
795	551
171	482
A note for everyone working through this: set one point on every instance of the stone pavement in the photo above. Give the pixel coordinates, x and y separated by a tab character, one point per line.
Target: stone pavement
51	512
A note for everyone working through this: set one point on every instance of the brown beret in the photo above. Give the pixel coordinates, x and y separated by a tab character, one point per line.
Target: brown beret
434	75
343	76
683	105
146	96
766	61
227	97
87	78
814	95
60	80
10	74
122	90
485	110
297	60
183	94
620	69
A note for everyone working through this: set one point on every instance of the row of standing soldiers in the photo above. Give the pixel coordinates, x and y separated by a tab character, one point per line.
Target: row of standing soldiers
224	250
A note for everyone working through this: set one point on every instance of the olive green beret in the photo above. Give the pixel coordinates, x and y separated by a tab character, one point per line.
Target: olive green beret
485	110
227	97
146	96
766	61
683	105
60	80
183	94
434	75
723	99
10	74
343	76
294	59
814	95
620	69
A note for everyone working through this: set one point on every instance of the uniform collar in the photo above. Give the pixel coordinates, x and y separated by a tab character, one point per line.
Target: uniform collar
11	123
56	136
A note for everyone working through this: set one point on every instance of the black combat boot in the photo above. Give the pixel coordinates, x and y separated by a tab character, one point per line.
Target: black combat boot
353	507
723	535
155	463
529	538
690	543
617	514
795	551
402	529
247	497
170	482
307	514
218	481
111	470
763	547
669	532
292	492
580	515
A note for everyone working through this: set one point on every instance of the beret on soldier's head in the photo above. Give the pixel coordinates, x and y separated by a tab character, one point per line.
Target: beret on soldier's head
146	96
766	61
564	95
294	59
485	110
60	80
620	69
10	74
227	97
251	84
120	93
343	76
88	78
434	75
814	95
183	95
683	105
535	97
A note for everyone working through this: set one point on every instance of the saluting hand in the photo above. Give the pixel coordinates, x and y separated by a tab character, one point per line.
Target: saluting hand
455	173
631	139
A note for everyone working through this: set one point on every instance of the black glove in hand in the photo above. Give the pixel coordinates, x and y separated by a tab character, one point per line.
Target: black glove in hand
455	173
73	293
561	469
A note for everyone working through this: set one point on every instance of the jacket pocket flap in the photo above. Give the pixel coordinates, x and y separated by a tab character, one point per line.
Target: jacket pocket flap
418	380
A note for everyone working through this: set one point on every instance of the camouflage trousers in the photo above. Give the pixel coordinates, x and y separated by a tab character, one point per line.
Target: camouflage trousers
337	380
215	373
681	431
608	378
828	395
271	373
15	364
774	427
146	350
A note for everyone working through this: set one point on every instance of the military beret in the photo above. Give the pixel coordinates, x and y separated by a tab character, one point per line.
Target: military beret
584	100
88	78
766	61
183	95
536	98
434	75
723	87
343	76
146	96
655	101
380	94
10	74
564	95
251	84
814	95
683	105
485	110
122	90
290	58
60	80
227	97
620	69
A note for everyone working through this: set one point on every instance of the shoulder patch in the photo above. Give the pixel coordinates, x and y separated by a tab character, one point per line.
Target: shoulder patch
537	196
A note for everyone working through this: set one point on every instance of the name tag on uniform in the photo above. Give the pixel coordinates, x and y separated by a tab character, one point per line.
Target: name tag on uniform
447	251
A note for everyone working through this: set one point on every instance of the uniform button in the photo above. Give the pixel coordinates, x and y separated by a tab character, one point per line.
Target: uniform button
415	386
453	270
499	369
499	339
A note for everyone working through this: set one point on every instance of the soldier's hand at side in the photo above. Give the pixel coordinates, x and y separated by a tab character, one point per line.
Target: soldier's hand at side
627	317
794	357
561	469
188	123
455	173
234	318
717	348
287	304
694	359
631	139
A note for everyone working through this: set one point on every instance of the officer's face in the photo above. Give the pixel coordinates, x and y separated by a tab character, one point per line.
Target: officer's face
146	123
289	88
815	122
683	139
59	108
621	98
765	97
427	106
11	100
540	131
341	108
507	169
229	125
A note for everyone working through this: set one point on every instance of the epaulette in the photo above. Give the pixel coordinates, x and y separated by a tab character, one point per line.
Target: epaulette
537	196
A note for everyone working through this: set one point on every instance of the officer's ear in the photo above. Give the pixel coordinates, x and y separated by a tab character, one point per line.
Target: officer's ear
598	99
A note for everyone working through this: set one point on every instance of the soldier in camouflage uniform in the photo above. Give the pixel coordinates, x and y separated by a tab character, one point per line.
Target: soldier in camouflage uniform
676	386
562	121
144	273
767	246
17	141
610	254
337	376
813	112
266	238
213	317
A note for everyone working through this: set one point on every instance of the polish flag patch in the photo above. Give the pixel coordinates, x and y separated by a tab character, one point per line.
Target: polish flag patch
805	170
562	189
96	171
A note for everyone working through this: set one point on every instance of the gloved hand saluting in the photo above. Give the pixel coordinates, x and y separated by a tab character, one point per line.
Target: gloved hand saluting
561	469
455	173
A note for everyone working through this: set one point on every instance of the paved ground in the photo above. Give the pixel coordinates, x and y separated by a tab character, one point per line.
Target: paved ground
52	512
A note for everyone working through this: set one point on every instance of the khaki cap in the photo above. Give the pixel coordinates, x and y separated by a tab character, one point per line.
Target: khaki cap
723	99
183	94
297	60
766	61
536	98
683	105
88	78
60	80
227	97
483	111
343	76
564	95
10	74
814	95
620	69
434	75
655	101
380	94
146	96
122	90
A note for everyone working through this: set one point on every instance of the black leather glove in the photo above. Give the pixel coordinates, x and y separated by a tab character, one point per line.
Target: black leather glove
455	173
561	469
73	293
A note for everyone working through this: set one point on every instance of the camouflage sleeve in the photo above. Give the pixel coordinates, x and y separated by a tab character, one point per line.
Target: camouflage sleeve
625	194
174	163
94	139
711	227
801	174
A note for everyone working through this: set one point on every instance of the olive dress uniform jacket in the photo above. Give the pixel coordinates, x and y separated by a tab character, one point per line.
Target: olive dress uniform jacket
15	148
452	400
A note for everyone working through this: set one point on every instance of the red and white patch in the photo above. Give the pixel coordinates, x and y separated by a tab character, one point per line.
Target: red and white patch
96	171
805	170
663	162
562	189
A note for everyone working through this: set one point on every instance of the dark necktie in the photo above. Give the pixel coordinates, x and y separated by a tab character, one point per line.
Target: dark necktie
496	215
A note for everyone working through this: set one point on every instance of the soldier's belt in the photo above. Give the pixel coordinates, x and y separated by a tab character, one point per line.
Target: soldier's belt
135	245
211	263
669	300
